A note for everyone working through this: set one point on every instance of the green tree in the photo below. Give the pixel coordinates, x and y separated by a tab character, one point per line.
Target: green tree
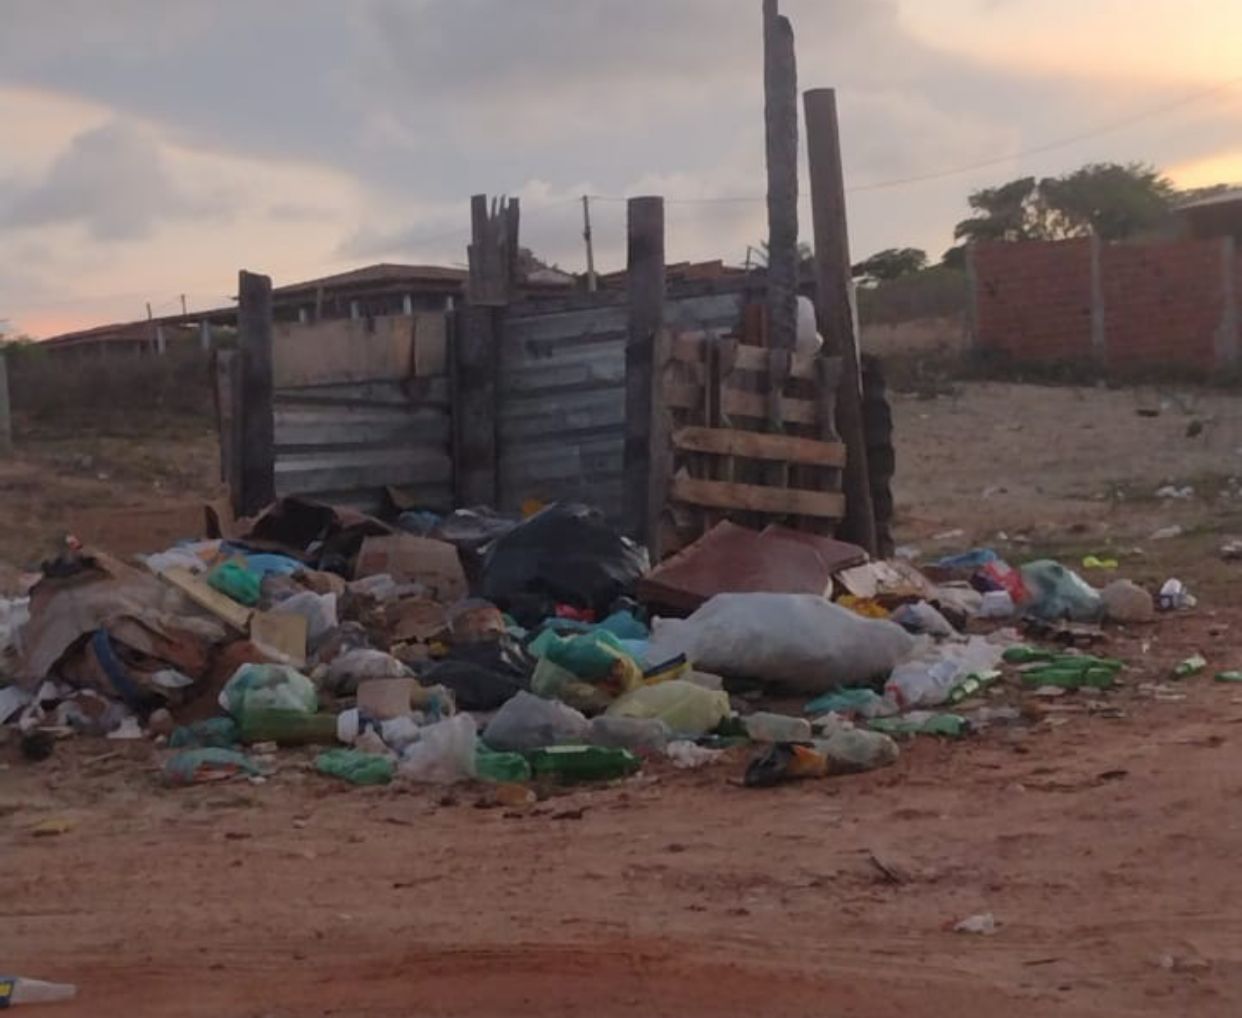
891	263
1111	200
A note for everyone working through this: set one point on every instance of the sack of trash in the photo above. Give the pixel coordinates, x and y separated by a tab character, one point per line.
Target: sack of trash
685	707
268	687
564	554
530	722
801	642
1055	593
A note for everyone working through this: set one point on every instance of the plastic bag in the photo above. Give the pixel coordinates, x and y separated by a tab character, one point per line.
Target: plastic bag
319	610
355	666
553	682
268	687
634	734
565	553
799	641
529	722
193	766
687	708
217	733
853	750
355	766
234	580
921	617
444	753
927	678
483	676
1059	593
14	613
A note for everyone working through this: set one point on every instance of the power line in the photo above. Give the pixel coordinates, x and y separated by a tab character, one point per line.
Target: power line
1073	139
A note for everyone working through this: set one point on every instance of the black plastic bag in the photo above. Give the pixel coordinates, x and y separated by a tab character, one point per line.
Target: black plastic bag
482	676
564	554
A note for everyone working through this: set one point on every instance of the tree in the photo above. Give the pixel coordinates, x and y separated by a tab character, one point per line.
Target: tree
891	263
1111	200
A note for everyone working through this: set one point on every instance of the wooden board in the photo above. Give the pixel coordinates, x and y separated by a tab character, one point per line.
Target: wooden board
756	445
384	348
755	498
680	396
280	634
690	347
197	590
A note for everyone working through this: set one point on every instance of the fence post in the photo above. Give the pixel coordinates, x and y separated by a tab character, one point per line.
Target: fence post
1099	328
1227	338
228	367
257	470
647	457
836	319
476	360
780	115
971	322
6	420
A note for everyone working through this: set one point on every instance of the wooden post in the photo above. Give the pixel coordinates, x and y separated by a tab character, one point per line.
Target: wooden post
476	362
6	420
586	236
1099	327
780	115
257	472
1228	334
648	457
832	261
229	421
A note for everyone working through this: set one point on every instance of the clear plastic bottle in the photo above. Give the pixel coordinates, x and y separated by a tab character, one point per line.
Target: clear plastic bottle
19	990
763	726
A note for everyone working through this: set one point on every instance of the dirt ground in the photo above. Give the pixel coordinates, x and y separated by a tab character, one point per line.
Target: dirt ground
1099	832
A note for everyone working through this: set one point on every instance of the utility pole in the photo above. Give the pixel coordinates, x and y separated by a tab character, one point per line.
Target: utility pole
183	310
586	235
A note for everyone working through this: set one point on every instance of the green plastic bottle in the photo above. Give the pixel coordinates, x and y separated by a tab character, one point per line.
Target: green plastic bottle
1020	654
288	727
952	726
502	768
1230	676
571	764
974	683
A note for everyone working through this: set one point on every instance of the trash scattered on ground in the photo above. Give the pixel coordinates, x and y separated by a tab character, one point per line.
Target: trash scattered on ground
1230	551
1166	533
512	653
1174	596
16	990
984	924
1187	667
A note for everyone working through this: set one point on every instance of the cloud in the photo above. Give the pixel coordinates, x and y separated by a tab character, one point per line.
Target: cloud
113	181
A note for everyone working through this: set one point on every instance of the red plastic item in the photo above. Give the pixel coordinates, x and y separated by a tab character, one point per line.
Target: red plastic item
569	611
1006	577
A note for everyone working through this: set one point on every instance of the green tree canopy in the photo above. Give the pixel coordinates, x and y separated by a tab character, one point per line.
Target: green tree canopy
891	263
1111	200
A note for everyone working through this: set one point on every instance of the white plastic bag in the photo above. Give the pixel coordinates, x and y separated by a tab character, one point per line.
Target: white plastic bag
355	666
529	722
444	752
927	678
799	641
268	687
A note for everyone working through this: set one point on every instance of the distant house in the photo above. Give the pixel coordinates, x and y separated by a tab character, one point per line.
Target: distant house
1217	215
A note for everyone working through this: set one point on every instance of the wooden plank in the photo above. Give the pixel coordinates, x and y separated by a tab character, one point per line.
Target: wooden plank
474	407
258	447
757	445
690	347
229	422
648	457
754	405
281	636
197	590
755	498
834	304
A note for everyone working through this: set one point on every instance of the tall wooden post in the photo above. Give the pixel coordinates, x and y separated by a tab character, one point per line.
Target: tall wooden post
6	422
836	321
780	115
258	431
647	457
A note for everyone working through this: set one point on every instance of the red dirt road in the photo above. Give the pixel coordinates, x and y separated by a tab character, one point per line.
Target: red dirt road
1106	847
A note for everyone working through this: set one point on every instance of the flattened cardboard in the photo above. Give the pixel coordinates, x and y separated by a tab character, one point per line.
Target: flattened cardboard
410	559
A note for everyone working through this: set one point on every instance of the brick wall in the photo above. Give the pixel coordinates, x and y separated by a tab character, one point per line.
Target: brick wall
1033	300
1162	303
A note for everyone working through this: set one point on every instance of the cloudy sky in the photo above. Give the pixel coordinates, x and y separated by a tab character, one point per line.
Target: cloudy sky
150	148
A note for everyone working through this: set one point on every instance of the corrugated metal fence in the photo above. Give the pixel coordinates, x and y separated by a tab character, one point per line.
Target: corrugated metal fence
561	430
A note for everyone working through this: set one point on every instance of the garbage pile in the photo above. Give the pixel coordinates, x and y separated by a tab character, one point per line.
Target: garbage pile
541	650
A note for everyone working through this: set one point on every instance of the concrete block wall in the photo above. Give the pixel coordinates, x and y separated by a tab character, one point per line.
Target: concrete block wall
1124	305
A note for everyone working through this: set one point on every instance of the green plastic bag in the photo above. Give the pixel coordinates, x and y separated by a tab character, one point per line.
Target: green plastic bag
268	687
214	733
191	766
356	767
236	581
686	708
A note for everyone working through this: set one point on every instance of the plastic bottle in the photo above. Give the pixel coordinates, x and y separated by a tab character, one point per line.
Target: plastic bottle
763	726
1193	665
501	768
288	727
974	683
571	764
633	734
20	990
